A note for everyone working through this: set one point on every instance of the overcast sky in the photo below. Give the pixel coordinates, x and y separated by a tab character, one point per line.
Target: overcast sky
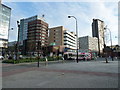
56	14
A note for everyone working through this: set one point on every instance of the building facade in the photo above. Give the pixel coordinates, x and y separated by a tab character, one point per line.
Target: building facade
23	32
61	36
98	31
5	14
88	43
37	35
56	35
70	40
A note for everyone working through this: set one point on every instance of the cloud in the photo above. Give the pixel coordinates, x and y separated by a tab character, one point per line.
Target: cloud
56	13
108	12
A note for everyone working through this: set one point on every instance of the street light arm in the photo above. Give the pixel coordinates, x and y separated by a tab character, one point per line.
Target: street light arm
73	17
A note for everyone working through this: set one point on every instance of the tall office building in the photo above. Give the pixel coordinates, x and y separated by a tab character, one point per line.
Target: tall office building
37	33
23	32
98	31
24	28
62	37
5	13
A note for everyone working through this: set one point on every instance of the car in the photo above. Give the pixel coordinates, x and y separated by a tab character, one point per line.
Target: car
1	57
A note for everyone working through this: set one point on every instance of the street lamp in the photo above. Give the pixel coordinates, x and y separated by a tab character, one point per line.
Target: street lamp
110	40
76	35
17	46
18	24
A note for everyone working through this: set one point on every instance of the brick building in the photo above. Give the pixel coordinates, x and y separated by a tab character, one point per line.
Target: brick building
37	36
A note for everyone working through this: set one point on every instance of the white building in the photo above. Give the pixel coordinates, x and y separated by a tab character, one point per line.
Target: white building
88	43
70	39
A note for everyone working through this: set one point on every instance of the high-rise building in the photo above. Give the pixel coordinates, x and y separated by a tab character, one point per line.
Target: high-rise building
98	31
23	32
37	33
5	13
88	43
62	37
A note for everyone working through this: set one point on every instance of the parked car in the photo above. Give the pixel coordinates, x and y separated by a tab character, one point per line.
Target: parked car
1	57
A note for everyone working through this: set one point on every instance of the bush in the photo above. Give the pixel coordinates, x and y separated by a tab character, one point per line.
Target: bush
19	61
32	60
7	61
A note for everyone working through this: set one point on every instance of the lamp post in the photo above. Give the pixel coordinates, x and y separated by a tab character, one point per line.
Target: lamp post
17	46
38	47
110	40
76	36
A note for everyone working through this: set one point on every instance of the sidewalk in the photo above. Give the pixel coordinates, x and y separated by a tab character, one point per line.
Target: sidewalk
85	74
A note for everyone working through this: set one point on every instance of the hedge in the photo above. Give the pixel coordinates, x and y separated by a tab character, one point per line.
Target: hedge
31	60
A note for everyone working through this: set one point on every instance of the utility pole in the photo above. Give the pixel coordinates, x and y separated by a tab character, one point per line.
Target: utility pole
39	47
110	41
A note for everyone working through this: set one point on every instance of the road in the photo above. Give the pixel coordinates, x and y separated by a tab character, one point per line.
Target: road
85	74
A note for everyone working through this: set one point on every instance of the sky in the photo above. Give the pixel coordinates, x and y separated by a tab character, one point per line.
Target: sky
56	14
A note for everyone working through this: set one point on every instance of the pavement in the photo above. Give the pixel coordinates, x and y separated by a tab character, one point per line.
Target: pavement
67	74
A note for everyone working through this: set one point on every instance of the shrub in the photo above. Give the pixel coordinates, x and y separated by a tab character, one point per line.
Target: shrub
31	60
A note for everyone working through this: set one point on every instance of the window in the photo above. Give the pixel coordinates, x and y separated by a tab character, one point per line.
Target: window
43	37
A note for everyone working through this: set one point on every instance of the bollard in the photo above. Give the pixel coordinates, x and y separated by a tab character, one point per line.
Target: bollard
62	59
46	61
